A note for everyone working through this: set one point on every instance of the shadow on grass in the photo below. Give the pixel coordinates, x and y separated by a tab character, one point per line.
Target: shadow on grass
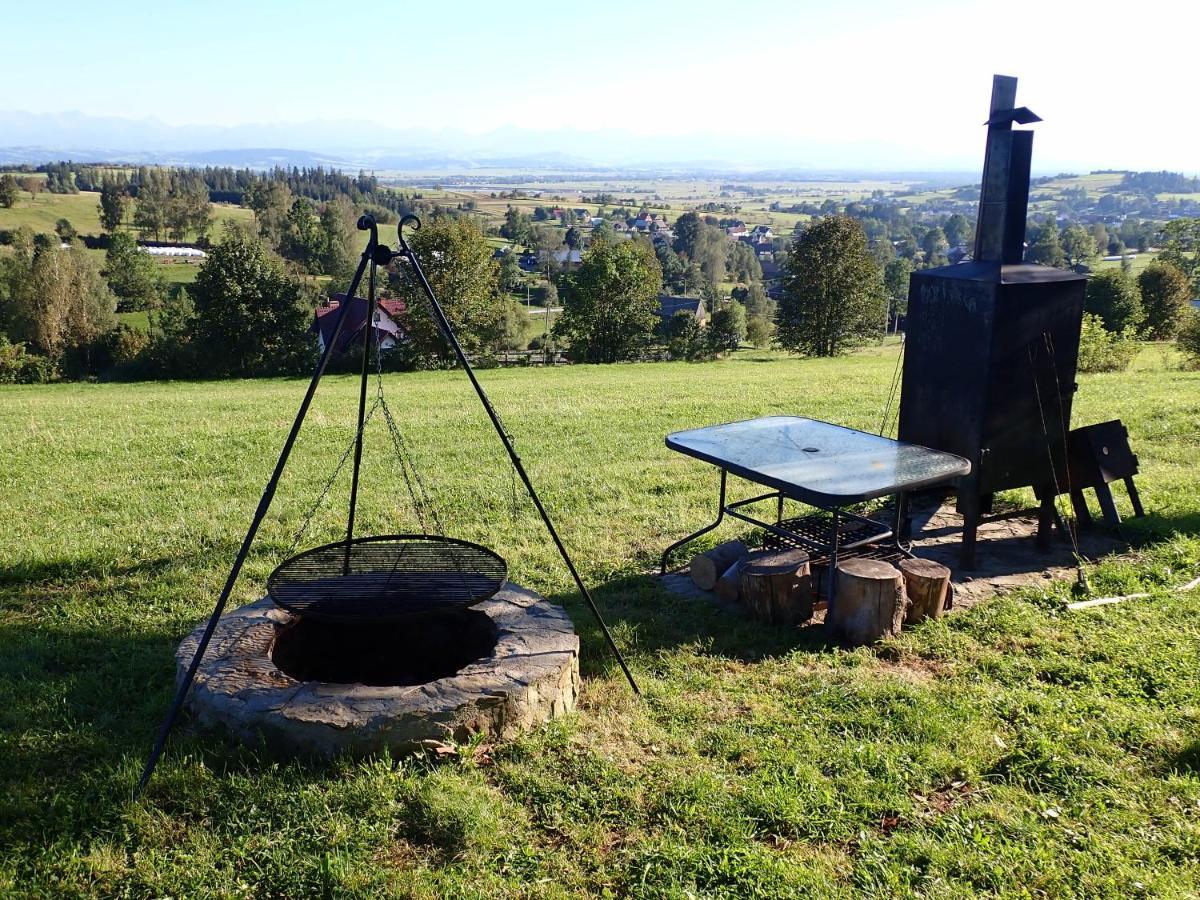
647	619
80	708
1154	527
74	568
1185	761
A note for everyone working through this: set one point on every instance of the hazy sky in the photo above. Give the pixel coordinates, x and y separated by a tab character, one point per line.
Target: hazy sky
865	83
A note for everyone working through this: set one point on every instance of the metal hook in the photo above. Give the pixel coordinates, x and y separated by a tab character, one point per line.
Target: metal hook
409	219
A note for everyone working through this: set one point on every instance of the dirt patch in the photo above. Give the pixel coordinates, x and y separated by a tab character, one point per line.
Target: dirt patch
946	798
1006	556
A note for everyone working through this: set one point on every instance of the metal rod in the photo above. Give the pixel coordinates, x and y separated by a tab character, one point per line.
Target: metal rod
448	334
368	330
264	504
695	534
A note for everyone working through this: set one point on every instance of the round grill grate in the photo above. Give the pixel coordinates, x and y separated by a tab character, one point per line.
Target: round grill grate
387	578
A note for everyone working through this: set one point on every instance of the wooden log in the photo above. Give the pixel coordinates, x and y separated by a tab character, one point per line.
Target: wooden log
708	567
775	586
727	584
868	601
926	584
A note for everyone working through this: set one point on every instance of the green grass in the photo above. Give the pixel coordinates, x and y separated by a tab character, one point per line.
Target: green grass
43	211
1013	749
1137	263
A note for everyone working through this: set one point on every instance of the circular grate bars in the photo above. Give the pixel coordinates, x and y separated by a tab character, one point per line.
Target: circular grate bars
387	578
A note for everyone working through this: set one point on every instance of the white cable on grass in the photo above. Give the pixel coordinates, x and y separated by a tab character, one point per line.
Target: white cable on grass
1105	601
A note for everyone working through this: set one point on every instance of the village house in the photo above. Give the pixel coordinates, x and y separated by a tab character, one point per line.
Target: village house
668	306
387	317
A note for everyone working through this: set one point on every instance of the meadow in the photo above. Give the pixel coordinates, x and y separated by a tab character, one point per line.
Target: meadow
1012	749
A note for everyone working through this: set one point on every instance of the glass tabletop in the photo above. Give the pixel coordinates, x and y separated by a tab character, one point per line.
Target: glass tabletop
818	462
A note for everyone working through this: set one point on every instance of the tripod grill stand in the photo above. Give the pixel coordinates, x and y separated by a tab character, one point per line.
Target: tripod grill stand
375	254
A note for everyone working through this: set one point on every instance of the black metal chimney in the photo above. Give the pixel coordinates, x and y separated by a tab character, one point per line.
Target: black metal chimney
992	344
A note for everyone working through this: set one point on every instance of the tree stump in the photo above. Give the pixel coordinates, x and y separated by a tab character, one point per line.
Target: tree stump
776	586
926	584
708	567
727	585
869	601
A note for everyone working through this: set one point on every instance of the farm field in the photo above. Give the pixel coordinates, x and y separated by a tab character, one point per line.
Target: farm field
1011	749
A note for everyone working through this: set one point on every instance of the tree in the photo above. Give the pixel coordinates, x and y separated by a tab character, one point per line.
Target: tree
935	245
759	332
60	304
114	201
1045	248
1078	245
33	186
573	238
8	191
687	228
709	251
683	336
957	229
337	229
271	202
150	212
833	297
743	263
727	328
65	230
302	239
132	275
611	301
248	318
458	262
510	331
896	275
1166	295
1100	236
674	271
1113	296
516	226
511	277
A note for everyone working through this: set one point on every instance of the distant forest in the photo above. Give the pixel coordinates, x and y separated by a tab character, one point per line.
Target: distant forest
226	184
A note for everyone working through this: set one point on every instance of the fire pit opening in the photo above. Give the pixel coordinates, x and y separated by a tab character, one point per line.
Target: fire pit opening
384	654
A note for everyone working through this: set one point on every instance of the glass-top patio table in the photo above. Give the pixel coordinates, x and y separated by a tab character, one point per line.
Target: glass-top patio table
819	464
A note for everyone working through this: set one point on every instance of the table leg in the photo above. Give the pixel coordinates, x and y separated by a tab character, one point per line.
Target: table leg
695	534
833	562
903	526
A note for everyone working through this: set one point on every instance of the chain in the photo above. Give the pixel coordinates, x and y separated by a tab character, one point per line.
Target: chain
312	512
514	508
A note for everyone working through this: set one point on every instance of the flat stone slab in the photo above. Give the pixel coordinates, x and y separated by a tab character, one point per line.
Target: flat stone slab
531	676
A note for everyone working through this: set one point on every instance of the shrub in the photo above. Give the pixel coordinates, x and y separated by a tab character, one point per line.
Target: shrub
1101	350
1166	293
19	366
1189	337
1114	297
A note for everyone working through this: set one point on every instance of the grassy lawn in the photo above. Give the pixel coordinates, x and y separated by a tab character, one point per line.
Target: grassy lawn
1137	263
1012	749
42	212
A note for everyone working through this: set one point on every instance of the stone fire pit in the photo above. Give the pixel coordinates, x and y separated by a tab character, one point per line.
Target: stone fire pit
320	689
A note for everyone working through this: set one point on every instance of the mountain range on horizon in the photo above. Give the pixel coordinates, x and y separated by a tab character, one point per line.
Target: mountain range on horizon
27	137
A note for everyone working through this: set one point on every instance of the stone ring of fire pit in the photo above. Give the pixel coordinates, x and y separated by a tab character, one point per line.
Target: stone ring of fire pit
523	670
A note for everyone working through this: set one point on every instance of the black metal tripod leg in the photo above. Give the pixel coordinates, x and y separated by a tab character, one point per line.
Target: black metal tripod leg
448	333
264	504
695	534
